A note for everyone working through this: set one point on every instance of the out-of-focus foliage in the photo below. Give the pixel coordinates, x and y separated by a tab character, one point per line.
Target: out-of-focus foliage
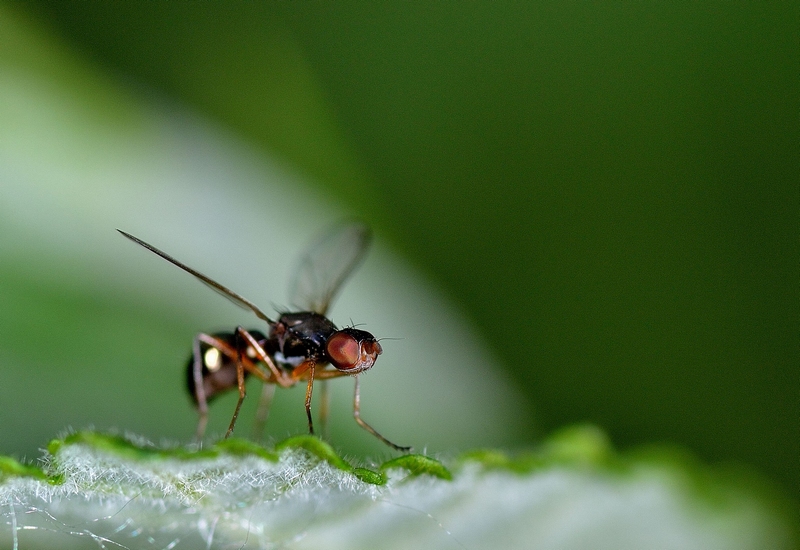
609	191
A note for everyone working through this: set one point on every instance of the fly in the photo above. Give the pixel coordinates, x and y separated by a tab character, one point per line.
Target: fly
303	345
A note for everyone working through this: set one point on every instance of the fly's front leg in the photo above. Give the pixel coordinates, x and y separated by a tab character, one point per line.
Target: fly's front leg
370	429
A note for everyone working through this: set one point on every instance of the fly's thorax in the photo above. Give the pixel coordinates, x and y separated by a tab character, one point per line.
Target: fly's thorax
300	336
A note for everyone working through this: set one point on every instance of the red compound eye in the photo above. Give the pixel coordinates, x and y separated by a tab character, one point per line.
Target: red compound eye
344	351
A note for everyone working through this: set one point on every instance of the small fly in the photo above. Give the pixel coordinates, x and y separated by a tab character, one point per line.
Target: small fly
303	345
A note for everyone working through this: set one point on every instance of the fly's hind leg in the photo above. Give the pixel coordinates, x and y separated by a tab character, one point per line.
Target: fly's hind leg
199	389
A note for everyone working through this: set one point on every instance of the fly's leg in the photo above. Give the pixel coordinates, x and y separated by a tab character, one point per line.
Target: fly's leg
199	389
231	352
309	389
262	413
324	408
239	383
306	369
370	429
243	363
277	376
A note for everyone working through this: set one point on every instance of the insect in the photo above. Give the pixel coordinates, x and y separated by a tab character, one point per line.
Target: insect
303	345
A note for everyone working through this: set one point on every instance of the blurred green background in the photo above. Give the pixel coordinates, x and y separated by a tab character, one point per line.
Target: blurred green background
608	192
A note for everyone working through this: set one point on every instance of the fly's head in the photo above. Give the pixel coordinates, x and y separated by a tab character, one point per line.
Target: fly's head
352	351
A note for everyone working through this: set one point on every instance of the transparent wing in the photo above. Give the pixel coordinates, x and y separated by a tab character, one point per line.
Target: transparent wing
229	294
326	265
